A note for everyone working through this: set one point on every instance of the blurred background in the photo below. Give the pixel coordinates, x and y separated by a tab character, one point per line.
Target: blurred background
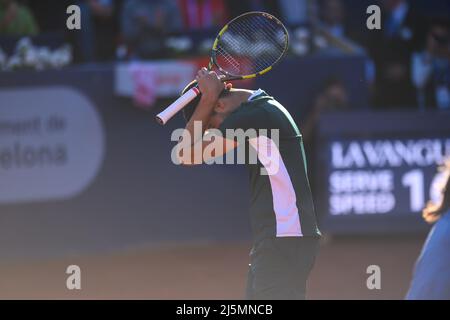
86	176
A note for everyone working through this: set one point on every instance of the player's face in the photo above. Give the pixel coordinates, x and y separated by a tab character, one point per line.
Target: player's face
222	109
216	120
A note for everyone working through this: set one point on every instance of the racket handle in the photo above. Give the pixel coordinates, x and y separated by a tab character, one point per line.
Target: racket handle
177	105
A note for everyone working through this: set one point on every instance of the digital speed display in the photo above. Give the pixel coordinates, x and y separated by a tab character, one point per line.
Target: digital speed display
379	182
373	177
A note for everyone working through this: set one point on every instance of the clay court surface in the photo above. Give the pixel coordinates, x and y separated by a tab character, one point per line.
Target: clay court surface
212	271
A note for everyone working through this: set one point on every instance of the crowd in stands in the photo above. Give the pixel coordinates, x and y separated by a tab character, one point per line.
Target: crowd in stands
410	53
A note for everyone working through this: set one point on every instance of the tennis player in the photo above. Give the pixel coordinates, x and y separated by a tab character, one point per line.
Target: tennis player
283	222
431	279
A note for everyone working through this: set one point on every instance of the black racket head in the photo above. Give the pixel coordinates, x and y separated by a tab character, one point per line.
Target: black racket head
250	45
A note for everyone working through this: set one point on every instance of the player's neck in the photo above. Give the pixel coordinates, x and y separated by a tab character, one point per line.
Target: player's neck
240	96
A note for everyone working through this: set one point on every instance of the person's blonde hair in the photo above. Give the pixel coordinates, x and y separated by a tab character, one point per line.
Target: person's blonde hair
433	211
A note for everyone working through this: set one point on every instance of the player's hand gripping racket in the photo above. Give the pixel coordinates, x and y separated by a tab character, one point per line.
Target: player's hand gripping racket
248	46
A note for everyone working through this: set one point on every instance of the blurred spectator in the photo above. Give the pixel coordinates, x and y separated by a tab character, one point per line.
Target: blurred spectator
203	14
391	49
293	12
145	24
332	97
431	280
238	7
98	36
332	16
50	14
16	19
431	68
333	35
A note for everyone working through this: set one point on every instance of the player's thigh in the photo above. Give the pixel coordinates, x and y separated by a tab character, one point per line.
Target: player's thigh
271	275
280	268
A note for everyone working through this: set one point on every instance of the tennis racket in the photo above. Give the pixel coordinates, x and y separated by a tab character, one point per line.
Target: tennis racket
247	47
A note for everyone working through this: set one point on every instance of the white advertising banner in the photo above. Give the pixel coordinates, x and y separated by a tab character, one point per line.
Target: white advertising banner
146	81
51	143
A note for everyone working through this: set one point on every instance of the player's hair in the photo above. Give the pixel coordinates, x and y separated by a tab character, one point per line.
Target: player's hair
189	109
433	212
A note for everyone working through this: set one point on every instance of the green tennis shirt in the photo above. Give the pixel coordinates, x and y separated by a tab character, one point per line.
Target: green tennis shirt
281	201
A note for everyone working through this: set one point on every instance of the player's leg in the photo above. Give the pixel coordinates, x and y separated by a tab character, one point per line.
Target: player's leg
304	251
280	267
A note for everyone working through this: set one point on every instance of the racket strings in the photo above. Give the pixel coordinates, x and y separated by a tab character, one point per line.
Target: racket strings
251	45
269	45
229	59
266	29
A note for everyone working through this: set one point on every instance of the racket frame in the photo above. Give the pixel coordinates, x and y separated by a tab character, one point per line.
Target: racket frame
231	77
190	95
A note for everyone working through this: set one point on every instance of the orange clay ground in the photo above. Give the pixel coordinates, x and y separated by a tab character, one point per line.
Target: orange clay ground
212	271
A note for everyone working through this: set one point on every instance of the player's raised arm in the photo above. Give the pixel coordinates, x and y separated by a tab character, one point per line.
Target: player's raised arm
210	86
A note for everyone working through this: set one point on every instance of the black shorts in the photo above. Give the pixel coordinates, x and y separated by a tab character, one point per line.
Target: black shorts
279	268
